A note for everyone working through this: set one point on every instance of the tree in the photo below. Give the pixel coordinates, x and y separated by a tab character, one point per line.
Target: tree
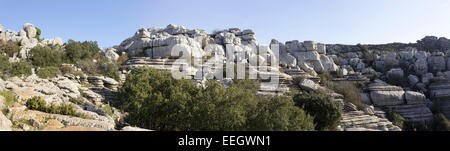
279	114
326	112
76	51
155	100
46	56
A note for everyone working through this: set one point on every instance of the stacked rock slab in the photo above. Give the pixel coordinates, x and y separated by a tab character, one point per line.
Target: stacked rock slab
440	95
409	104
360	121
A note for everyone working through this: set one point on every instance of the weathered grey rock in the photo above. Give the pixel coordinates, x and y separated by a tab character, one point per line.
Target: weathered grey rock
395	74
30	29
413	80
5	123
321	48
310	45
360	121
427	77
365	98
436	63
308	85
350	107
385	95
369	110
1	28
111	54
414	97
421	66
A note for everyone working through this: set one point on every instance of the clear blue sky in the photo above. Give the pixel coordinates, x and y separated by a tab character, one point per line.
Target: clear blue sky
330	21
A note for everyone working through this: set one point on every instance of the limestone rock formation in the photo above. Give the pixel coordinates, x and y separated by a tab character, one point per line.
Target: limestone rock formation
27	38
307	85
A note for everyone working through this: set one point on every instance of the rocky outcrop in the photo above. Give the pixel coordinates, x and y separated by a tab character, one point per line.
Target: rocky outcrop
360	121
409	104
385	95
18	113
27	38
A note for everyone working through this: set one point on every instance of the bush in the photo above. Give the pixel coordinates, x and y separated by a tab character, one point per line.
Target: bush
280	114
440	123
409	125
89	67
350	91
395	118
21	68
155	100
122	59
37	103
48	72
46	56
5	64
10	98
252	85
10	48
76	51
325	77
326	112
38	34
110	70
67	69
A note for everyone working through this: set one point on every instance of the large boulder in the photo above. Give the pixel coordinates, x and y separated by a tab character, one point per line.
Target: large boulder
436	62
395	74
414	97
307	85
427	77
30	29
421	66
413	80
386	95
111	54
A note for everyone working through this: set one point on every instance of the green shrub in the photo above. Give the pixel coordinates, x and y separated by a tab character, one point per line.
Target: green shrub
21	68
440	123
10	48
76	51
48	72
46	56
326	112
395	118
5	64
110	70
155	100
122	59
280	114
89	67
325	77
10	98
409	125
38	34
252	85
350	91
67	69
37	103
